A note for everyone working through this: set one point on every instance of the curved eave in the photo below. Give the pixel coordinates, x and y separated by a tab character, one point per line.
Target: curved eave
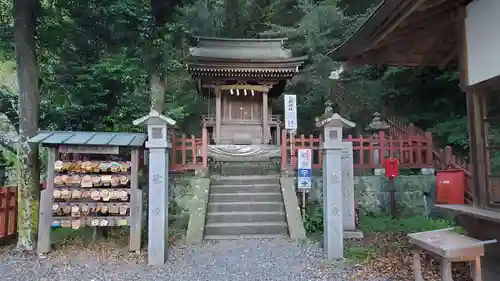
352	44
406	33
277	68
222	39
231	61
243	73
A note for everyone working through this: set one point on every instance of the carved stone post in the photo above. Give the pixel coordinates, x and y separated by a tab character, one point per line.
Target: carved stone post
332	181
158	185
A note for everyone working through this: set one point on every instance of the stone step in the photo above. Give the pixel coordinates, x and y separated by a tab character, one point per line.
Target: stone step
240	237
245	188
261	216
250	166
239	180
246	197
246	228
244	207
248	171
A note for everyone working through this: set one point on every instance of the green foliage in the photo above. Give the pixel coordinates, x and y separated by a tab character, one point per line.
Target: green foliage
357	7
404	225
390	234
95	60
313	223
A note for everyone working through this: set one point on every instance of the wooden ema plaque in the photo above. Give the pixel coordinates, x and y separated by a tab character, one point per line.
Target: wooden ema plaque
450	247
98	191
91	193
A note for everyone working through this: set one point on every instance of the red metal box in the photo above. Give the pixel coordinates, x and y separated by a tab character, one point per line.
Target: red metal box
450	187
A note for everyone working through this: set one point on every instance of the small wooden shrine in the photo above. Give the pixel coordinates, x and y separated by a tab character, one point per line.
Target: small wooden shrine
447	33
240	78
92	181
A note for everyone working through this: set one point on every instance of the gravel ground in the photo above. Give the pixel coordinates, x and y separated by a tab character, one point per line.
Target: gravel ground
246	260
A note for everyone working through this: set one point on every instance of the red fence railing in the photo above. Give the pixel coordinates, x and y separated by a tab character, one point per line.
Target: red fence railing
444	158
368	153
188	153
8	211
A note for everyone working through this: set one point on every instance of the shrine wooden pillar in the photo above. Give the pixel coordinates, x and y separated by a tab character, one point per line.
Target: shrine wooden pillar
218	113
265	118
475	116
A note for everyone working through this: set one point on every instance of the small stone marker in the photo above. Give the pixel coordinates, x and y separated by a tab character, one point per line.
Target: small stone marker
158	185
332	178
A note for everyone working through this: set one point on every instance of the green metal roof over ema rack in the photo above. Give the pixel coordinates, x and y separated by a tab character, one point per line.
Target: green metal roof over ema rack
51	138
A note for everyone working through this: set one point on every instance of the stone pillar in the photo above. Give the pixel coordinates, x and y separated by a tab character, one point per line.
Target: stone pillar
332	181
158	185
348	208
332	202
265	118
158	205
218	113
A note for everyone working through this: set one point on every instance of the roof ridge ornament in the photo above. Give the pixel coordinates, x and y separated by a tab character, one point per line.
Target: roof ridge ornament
153	114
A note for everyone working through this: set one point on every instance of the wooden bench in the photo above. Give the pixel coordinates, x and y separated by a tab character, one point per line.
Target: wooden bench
450	247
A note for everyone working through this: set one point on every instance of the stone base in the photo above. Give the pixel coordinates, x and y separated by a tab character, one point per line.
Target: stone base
353	234
288	172
202	173
240	153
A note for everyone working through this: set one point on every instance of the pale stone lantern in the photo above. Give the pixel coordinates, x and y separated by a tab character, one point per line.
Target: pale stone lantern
377	125
333	196
157	126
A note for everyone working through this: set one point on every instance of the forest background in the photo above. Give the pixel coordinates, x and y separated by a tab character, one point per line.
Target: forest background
96	66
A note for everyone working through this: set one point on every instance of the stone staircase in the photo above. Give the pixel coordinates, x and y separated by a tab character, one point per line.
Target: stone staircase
247	206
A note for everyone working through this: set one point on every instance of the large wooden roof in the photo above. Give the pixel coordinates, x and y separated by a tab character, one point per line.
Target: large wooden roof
228	58
406	33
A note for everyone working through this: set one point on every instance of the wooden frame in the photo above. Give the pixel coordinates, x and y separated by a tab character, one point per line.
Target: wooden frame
46	202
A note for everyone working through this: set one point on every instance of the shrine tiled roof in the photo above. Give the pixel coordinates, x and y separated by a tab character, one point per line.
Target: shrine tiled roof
238	48
51	138
228	57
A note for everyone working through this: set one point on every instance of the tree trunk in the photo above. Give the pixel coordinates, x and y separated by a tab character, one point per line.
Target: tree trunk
28	173
158	87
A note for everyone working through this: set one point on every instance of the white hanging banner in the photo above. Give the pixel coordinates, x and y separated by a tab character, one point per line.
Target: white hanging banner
304	169
291	112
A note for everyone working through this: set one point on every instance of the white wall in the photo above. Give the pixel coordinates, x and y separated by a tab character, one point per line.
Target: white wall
483	40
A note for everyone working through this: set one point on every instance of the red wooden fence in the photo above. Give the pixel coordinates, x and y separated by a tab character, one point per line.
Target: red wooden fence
444	158
8	211
368	153
188	153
